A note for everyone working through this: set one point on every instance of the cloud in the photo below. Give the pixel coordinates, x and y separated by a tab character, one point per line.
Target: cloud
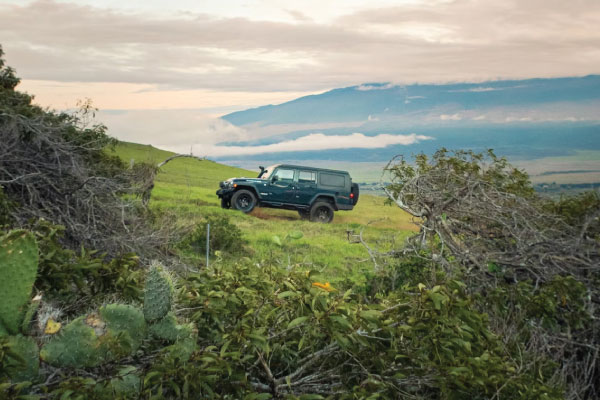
416	41
170	128
453	117
312	142
476	90
366	88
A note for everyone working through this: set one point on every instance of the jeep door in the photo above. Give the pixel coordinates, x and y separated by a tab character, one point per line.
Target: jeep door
282	186
306	188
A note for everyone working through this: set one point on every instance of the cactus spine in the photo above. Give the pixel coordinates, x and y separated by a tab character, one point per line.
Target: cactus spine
158	294
18	269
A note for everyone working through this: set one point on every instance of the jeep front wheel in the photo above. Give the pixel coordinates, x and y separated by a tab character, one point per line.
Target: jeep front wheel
321	212
243	200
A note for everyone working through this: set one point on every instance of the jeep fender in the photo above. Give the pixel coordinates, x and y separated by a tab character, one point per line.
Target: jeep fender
250	188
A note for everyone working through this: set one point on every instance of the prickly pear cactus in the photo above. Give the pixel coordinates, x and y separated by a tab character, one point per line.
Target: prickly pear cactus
126	324
168	329
77	345
158	294
114	332
22	362
18	268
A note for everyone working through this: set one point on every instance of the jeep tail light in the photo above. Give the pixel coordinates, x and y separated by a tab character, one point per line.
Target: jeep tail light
351	195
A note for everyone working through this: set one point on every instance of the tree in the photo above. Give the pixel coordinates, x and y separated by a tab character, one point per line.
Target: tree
54	166
481	220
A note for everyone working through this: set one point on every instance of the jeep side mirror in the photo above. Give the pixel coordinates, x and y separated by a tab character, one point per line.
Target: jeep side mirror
274	178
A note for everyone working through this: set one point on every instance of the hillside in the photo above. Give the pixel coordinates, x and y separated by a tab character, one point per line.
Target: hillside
187	187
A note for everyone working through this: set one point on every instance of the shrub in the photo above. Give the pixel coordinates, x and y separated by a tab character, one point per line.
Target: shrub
224	237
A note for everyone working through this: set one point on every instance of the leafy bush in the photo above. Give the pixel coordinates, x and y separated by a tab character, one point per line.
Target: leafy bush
62	270
224	236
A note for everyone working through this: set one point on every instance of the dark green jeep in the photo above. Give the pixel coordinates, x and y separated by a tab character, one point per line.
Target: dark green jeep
314	192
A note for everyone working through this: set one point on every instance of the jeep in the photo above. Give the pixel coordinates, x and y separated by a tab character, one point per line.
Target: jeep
314	192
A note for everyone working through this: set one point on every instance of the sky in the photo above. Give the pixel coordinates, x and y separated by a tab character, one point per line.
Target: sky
161	72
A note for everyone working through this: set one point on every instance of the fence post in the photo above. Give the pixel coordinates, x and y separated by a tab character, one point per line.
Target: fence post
207	242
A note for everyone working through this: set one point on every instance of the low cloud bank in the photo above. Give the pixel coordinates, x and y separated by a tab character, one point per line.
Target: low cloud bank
312	142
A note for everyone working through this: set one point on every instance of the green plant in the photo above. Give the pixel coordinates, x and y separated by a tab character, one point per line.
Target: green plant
158	294
126	385
224	236
115	332
60	269
19	358
168	329
5	208
18	269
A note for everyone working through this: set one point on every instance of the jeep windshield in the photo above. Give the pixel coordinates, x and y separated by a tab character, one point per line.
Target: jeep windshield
266	174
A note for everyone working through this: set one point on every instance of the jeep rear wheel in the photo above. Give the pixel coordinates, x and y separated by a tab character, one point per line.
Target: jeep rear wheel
321	212
243	200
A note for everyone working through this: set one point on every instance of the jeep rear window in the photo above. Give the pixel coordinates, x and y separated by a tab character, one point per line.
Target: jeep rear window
327	179
307	177
285	174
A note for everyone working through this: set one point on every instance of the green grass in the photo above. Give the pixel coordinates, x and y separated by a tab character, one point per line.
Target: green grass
186	187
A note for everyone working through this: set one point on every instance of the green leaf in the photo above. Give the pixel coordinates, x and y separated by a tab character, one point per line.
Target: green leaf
437	299
295	235
370	315
275	239
297	321
285	294
340	319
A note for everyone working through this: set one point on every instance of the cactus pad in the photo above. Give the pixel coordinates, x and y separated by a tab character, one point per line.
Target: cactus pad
116	331
168	329
18	269
158	294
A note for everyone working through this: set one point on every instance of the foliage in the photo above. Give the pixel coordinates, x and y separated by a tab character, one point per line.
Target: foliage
224	236
168	329
62	270
19	358
5	209
581	211
533	264
271	330
18	269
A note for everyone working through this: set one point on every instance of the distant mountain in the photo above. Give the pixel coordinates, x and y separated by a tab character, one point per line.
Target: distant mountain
380	100
525	120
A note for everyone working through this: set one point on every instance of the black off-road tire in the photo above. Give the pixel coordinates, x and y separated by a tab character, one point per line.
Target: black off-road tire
321	212
304	214
243	200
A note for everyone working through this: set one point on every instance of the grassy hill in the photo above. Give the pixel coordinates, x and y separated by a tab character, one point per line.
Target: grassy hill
186	187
